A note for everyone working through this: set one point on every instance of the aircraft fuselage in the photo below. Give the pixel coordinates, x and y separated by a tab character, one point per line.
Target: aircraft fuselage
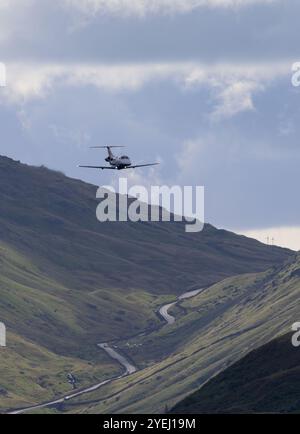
119	162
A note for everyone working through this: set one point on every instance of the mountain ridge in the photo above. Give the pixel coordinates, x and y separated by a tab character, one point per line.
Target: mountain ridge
62	209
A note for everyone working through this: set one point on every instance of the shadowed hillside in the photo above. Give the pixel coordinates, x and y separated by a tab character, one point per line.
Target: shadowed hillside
265	381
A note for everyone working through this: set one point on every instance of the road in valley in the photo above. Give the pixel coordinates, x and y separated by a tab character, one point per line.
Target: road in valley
129	367
164	310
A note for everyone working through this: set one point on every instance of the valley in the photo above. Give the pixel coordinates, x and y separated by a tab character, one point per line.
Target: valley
68	283
221	325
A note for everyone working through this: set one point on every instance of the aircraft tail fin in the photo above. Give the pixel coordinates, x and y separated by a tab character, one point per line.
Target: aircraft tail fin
110	154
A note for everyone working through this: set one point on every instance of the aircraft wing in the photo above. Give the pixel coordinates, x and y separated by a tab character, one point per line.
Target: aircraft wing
98	167
141	165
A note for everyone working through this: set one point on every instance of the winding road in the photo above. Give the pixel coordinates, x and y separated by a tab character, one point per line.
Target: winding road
129	367
164	310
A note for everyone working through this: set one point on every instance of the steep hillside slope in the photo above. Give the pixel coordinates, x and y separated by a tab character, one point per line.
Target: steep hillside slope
52	219
265	381
68	282
214	330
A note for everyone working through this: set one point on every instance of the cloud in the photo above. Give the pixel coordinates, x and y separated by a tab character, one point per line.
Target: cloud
25	82
231	86
123	31
236	98
286	236
188	157
6	4
36	80
144	7
10	12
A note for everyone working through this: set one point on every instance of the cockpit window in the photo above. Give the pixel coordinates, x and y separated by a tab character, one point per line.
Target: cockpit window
124	156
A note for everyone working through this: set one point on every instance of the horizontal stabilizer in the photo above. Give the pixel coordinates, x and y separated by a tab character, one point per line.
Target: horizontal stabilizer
105	147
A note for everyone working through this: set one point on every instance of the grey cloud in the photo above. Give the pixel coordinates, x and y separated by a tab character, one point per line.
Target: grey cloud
47	31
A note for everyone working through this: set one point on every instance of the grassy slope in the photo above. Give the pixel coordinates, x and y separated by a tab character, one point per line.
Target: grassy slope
68	282
53	330
220	326
59	317
265	381
30	373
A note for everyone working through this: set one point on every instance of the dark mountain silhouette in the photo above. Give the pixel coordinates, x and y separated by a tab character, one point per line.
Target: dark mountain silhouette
265	381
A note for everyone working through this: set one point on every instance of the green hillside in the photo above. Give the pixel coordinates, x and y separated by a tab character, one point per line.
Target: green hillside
265	381
213	330
68	282
52	330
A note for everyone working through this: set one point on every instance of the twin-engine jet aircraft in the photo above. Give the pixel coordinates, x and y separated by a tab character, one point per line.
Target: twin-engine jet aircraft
117	163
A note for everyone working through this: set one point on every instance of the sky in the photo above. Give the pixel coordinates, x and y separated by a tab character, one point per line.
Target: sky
203	86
